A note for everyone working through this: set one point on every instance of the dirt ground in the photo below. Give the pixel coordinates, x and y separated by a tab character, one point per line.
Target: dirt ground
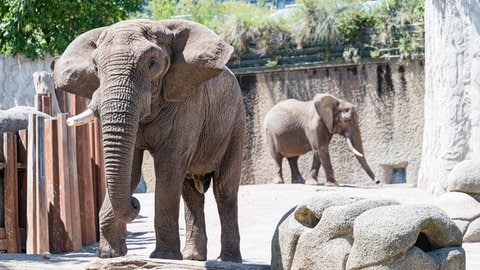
260	209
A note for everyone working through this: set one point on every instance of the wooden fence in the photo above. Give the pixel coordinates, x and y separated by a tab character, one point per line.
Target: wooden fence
54	181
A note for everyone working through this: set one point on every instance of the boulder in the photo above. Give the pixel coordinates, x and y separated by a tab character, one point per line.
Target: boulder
464	210
465	177
333	231
406	237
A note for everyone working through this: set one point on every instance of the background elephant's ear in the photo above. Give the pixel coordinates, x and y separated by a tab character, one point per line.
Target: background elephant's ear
324	104
73	71
198	55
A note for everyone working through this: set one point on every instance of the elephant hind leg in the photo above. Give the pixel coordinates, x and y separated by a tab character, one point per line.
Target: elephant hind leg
196	236
296	175
313	175
226	197
278	178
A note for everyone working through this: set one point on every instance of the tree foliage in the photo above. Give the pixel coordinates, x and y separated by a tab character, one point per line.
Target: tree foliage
36	28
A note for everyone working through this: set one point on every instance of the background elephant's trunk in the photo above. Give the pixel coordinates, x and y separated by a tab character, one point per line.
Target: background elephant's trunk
357	144
120	119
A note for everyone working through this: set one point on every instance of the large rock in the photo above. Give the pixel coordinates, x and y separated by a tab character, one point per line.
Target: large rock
452	103
465	177
406	237
464	210
338	232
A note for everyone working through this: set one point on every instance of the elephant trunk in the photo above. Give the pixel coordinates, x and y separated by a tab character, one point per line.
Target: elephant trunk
120	117
354	139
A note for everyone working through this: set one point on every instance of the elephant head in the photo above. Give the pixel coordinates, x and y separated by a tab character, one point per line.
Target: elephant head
340	117
129	70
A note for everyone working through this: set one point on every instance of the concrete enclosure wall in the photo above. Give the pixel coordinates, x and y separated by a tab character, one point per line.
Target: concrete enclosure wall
389	100
388	96
16	81
452	89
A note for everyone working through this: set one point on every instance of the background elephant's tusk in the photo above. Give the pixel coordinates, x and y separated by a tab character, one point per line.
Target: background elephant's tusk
350	145
81	119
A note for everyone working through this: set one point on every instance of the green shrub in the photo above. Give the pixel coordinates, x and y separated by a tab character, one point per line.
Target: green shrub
353	23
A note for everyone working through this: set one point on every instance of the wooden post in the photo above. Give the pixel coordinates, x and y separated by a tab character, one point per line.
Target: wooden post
64	181
11	193
22	157
41	189
98	167
85	181
56	229
47	103
74	196
31	187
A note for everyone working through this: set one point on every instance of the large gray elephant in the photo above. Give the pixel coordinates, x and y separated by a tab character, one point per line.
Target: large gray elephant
162	86
295	127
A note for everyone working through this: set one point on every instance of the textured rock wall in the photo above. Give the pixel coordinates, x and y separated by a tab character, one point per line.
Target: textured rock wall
389	99
16	81
452	89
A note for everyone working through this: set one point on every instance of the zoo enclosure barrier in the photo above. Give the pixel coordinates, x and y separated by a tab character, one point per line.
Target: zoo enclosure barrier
54	181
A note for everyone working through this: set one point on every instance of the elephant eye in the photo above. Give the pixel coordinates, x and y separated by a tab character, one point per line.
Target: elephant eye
151	64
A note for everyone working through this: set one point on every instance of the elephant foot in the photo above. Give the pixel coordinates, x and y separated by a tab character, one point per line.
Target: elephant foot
194	254
278	180
331	184
311	181
232	256
298	180
160	253
105	250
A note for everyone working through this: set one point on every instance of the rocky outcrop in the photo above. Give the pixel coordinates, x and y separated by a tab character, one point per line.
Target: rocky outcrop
339	232
452	106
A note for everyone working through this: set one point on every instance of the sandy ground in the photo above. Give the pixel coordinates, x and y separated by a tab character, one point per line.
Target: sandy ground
260	209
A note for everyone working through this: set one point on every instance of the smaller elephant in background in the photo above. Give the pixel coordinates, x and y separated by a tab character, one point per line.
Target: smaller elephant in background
295	127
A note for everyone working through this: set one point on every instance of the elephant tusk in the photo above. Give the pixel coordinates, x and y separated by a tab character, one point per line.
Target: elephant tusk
81	119
350	145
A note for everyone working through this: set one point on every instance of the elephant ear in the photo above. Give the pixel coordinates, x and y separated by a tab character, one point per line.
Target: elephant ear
324	104
73	71
198	55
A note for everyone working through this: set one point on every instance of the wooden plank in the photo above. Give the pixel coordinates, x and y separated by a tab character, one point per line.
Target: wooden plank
47	103
38	102
73	196
31	245
98	167
56	228
11	193
100	162
85	181
64	181
62	99
41	204
2	233
22	177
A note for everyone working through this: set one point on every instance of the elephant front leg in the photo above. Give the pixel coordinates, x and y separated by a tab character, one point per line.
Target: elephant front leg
324	157
167	202
112	230
112	233
196	235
